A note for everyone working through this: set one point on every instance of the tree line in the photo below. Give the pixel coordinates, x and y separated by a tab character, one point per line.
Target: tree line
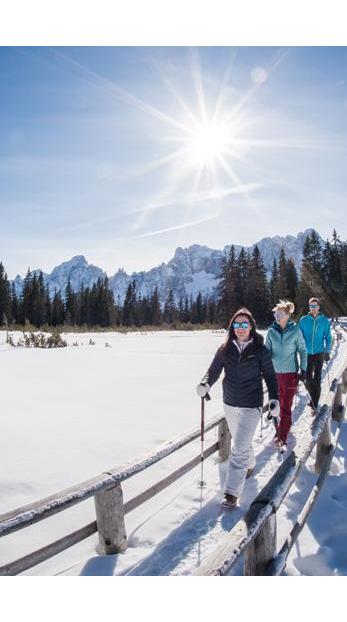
243	282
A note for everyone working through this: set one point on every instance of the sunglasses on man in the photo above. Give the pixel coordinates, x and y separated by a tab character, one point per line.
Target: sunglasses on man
313	306
237	325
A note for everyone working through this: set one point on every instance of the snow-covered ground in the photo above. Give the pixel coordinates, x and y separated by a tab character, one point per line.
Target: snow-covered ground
69	414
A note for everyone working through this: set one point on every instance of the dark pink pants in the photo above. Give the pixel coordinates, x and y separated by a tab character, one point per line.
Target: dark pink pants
287	385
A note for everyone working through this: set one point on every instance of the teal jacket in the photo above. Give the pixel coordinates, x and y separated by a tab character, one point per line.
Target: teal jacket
285	346
317	333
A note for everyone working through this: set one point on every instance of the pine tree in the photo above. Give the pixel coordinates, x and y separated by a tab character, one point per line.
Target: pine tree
228	290
38	311
25	305
70	304
243	262
283	290
292	280
5	297
274	285
257	288
57	310
129	306
223	290
170	312
155	308
14	305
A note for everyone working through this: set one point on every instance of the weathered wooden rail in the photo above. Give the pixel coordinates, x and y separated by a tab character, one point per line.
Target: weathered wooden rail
110	509
108	497
254	536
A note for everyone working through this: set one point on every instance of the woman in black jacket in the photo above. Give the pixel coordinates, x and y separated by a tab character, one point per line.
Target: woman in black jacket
246	362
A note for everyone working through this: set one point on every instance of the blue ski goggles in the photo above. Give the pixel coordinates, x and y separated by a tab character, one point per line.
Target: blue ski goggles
237	325
313	306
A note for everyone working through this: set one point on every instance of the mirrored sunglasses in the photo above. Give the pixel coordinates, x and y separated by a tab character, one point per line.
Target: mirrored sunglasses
237	325
313	306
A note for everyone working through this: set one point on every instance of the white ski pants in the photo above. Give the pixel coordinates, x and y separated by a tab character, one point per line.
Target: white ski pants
242	423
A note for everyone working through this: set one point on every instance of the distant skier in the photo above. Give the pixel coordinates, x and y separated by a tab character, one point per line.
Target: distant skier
317	334
246	362
286	344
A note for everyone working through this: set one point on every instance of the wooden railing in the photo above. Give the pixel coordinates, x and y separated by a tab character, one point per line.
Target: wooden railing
106	489
110	510
254	536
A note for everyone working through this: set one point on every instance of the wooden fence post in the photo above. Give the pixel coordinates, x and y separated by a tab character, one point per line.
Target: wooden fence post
110	520
338	409
323	446
344	380
224	440
262	549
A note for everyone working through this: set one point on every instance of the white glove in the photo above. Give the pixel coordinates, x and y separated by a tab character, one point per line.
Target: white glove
202	389
274	407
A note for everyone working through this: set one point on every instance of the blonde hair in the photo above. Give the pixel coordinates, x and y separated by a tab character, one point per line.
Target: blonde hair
286	306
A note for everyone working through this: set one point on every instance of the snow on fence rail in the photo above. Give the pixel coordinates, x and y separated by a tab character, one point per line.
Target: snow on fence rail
255	534
255	530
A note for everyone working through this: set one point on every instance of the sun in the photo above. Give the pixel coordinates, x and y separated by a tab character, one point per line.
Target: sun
208	143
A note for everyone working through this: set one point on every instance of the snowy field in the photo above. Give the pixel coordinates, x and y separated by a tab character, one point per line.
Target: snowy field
69	414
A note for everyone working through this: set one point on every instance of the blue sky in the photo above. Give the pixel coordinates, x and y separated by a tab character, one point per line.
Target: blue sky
103	151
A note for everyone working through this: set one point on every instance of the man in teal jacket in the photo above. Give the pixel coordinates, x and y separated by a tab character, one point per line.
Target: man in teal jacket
317	334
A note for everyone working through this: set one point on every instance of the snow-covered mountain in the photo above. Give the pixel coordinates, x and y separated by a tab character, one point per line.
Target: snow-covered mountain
77	270
193	269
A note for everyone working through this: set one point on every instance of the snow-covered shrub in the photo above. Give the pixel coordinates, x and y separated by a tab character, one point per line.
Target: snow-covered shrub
10	340
56	341
39	340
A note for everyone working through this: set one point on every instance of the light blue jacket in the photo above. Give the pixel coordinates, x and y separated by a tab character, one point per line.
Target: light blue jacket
285	346
317	333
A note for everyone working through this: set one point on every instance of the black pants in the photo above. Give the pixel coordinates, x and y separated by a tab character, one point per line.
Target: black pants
314	376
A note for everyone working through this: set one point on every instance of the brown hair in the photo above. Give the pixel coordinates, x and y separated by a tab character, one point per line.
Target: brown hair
314	300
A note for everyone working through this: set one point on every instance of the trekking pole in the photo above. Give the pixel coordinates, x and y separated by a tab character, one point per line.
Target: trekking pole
261	423
202	483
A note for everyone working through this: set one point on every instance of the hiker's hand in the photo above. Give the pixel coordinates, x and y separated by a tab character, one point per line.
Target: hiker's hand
274	406
326	356
202	389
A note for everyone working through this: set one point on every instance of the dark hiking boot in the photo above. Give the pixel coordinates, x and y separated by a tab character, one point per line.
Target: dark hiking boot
229	501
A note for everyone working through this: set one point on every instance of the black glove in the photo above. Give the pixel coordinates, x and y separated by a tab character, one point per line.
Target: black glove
302	376
326	356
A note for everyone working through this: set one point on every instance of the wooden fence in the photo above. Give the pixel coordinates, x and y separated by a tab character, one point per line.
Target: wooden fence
255	533
254	536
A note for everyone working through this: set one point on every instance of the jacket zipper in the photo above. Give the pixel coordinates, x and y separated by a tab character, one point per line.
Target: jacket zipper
313	333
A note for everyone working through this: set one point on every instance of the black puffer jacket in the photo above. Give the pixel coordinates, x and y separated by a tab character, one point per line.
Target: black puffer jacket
242	382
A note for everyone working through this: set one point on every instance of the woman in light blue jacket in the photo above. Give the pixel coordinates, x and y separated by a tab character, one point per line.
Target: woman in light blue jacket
286	344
